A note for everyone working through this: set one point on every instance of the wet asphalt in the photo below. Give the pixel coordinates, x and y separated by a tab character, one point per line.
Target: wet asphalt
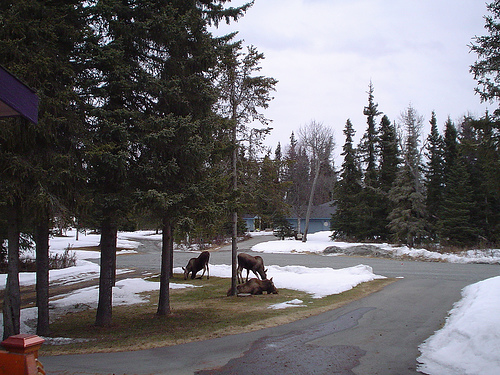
378	334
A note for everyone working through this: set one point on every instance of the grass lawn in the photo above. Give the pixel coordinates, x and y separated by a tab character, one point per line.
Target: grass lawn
196	314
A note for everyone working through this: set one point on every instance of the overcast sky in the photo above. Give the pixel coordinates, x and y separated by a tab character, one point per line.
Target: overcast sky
325	52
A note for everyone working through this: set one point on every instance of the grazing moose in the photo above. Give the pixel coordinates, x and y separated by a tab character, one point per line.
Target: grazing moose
256	286
197	264
250	263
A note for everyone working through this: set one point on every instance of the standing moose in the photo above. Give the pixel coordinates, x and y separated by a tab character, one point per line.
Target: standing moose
250	263
197	264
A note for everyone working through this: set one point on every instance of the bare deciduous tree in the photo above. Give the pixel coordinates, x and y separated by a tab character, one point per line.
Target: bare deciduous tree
318	141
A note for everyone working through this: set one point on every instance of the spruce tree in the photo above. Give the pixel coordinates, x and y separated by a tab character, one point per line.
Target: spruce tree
455	227
345	220
116	91
479	151
487	171
181	140
485	70
40	41
407	218
434	178
388	170
368	147
450	149
370	199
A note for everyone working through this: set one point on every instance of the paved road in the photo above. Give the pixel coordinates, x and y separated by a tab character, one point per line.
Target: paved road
378	334
148	258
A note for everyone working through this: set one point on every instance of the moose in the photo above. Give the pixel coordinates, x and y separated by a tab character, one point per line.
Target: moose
250	263
197	264
256	286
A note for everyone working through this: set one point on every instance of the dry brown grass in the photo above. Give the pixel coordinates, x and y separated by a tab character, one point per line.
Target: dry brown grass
197	314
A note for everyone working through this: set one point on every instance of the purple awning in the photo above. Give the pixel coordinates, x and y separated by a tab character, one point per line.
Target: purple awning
17	99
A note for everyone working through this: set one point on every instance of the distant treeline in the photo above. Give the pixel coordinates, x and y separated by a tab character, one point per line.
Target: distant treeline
400	187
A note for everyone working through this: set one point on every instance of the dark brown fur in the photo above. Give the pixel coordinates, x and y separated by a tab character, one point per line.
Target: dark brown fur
250	263
256	286
197	264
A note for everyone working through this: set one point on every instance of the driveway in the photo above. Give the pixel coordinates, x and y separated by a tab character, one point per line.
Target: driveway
378	334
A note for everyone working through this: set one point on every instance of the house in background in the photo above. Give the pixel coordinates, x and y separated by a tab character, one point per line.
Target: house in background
320	220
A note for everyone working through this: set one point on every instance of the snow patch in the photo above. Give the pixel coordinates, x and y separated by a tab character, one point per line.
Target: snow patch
283	305
469	342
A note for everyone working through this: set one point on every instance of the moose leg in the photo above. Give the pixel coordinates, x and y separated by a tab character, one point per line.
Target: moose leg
256	275
205	268
239	275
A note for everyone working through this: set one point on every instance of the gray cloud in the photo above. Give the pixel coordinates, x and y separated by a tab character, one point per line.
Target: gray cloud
325	52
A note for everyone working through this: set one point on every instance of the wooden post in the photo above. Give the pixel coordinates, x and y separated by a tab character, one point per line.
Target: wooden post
21	357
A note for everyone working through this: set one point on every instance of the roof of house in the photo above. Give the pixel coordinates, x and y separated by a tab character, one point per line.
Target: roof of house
323	211
17	99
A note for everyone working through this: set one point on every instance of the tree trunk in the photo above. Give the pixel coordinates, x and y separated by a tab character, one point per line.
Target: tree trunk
311	197
171	252
12	295
107	274
234	236
166	250
42	276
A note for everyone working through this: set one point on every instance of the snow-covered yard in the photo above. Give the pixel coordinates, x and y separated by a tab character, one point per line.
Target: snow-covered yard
469	343
319	242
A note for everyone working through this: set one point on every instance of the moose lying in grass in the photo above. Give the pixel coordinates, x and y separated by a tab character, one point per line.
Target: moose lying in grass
197	264
250	263
256	286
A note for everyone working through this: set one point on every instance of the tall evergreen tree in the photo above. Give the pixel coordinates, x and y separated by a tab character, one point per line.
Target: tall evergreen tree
455	227
182	138
450	148
277	153
434	179
40	41
481	160
14	188
485	70
116	92
488	164
388	170
345	220
370	209
368	147
407	219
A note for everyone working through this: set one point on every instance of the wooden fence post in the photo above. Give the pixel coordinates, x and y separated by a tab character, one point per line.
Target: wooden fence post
21	355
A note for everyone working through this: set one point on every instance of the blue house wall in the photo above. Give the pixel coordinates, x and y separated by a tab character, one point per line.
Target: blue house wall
320	219
315	224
